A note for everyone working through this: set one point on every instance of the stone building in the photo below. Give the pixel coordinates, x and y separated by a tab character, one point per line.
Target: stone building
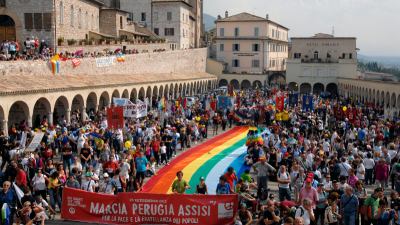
179	21
316	63
252	48
65	19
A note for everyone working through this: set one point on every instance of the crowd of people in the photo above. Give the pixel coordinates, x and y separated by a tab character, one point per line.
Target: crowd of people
322	160
34	49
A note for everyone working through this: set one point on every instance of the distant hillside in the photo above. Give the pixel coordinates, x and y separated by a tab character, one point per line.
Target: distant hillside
208	21
382	60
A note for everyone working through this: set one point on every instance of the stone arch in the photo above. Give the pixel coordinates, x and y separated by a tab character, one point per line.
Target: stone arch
176	91
235	84
398	102
161	92
305	88
115	94
104	100
184	90
209	85
19	111
373	96
393	100
16	26
245	84
277	78
171	91
91	102
2	119
141	95
223	82
378	97
78	104
333	89
61	110
257	84
41	110
387	100
155	92
125	94
293	86
133	96
180	90
166	91
148	92
382	100
318	88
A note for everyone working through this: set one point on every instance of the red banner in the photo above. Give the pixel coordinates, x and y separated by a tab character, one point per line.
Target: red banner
115	117
144	208
280	101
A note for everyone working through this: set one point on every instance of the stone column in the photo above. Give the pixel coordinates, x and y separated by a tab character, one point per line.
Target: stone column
50	118
5	127
83	114
68	116
29	121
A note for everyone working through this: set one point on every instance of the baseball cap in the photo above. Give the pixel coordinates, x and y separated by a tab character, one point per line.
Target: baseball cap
202	178
105	175
309	180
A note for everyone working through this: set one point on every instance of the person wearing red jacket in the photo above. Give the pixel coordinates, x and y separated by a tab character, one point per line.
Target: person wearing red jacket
381	172
111	166
21	179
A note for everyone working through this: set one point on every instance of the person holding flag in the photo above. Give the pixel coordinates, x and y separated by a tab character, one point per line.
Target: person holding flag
8	202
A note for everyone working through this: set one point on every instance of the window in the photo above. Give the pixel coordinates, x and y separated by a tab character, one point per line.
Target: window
256	48
236	31
343	55
28	17
155	16
38	21
121	25
255	63
297	55
2	3
80	18
315	55
235	63
273	33
86	20
47	21
350	55
169	32
157	31
169	16
72	16
221	32
183	32
221	47
92	25
235	47
143	17
61	12
256	31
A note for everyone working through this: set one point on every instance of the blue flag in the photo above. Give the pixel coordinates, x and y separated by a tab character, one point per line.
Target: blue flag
308	104
293	99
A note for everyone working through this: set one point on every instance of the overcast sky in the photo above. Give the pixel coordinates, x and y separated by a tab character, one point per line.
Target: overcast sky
375	23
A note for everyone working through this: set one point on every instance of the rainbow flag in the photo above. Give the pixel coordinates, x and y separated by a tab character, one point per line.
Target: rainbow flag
209	160
120	58
5	214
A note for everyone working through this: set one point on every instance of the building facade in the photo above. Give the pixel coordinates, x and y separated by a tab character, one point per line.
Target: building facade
179	21
64	20
251	46
316	63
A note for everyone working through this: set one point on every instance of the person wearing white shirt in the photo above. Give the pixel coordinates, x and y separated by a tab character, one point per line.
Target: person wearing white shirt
369	165
360	170
306	212
344	168
88	184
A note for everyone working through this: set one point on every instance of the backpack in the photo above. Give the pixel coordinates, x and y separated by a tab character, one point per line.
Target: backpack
293	211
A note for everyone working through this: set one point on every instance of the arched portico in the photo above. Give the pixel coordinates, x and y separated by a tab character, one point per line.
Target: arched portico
104	100
19	112
41	110
61	111
293	86
91	102
305	88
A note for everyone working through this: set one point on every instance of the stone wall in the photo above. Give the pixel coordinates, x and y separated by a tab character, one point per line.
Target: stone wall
108	23
113	47
184	61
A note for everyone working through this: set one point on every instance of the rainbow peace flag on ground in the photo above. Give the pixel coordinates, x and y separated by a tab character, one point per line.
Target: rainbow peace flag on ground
209	160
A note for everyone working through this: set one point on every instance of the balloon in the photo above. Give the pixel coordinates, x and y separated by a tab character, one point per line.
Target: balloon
128	144
344	108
